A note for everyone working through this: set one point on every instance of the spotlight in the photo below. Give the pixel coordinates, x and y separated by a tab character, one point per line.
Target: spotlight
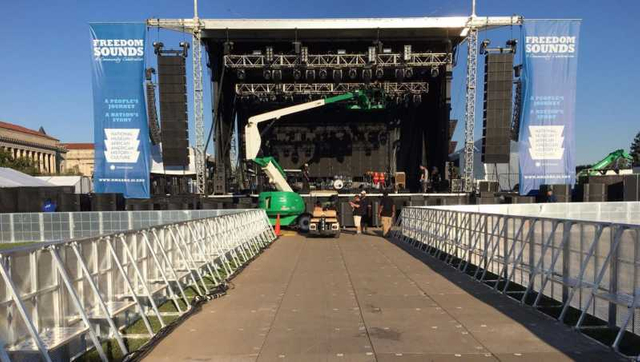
310	75
323	74
371	55
435	72
267	74
379	73
366	75
277	75
228	47
513	45
241	74
417	99
406	53
337	75
408	73
157	47
399	74
296	47
304	55
297	74
353	74
269	55
484	45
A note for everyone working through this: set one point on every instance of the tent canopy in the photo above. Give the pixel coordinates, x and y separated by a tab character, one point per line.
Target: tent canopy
12	178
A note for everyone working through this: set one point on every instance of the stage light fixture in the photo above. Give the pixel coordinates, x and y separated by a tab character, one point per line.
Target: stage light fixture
296	47
157	47
406	53
379	73
371	55
277	75
267	74
304	55
297	74
366	75
484	45
227	47
241	74
337	75
353	74
323	74
269	54
435	72
408	73
417	99
310	75
399	74
513	45
342	52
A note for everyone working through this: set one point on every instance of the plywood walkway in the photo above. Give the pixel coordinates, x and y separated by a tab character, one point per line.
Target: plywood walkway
363	298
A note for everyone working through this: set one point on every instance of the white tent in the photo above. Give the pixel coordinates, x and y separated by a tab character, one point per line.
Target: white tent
12	178
82	184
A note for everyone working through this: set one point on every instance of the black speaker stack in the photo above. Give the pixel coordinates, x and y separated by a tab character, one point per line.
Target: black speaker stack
172	80
632	187
496	120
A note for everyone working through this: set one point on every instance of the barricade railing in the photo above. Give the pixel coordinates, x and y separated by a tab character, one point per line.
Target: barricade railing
59	299
38	226
585	273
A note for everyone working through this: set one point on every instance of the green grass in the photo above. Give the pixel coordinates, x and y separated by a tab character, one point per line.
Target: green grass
5	246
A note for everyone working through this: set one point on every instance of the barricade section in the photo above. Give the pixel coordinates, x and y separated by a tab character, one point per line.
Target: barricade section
557	258
59	299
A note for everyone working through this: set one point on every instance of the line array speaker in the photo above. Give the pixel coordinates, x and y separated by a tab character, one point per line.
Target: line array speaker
496	120
172	79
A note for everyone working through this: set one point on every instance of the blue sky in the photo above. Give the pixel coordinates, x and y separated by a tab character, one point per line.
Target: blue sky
45	66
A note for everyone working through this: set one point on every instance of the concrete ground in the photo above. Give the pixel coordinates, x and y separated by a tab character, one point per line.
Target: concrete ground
363	298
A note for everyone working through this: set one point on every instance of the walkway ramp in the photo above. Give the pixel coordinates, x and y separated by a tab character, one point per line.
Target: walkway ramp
364	298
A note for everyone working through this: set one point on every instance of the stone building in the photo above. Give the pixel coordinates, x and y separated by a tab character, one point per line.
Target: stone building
45	151
79	158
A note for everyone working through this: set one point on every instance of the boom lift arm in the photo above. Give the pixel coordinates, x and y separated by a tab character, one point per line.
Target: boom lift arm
254	141
606	162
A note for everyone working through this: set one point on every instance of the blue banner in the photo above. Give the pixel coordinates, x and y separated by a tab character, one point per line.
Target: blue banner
547	139
121	134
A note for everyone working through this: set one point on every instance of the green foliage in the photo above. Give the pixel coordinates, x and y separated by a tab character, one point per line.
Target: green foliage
635	150
19	164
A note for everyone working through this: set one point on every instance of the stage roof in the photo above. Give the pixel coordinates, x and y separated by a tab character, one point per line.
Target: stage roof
336	29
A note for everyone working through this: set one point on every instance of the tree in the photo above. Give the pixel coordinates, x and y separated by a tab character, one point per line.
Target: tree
19	164
635	150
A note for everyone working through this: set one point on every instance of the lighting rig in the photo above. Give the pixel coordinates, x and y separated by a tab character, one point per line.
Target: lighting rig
265	74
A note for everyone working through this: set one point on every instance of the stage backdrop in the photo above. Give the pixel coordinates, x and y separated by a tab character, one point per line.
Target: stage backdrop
121	133
547	140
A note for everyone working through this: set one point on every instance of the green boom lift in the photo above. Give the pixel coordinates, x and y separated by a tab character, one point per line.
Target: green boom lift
285	202
613	159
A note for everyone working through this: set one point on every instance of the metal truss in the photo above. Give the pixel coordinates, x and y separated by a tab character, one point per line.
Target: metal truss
384	60
470	109
198	110
325	89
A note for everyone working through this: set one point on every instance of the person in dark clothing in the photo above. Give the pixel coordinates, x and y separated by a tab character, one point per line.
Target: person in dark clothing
357	219
551	197
386	212
305	178
365	210
435	179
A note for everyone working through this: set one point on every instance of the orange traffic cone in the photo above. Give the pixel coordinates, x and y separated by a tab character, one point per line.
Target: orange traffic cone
277	227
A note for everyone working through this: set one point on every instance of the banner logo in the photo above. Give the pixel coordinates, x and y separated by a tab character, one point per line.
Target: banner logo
550	44
118	48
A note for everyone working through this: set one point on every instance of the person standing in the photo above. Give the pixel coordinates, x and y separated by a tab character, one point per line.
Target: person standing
435	180
551	198
424	178
365	211
386	212
357	218
305	178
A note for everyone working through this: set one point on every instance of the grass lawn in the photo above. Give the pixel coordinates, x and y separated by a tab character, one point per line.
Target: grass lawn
5	246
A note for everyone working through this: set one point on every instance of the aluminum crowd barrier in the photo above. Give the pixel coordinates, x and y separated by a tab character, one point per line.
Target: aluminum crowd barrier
59	299
38	226
584	272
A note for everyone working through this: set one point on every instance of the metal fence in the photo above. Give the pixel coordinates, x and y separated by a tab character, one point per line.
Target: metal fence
58	299
37	226
573	261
